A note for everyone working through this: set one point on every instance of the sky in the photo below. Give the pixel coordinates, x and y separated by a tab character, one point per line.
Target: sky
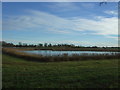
79	23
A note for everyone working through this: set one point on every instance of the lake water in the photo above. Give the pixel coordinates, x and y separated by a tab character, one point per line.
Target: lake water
53	53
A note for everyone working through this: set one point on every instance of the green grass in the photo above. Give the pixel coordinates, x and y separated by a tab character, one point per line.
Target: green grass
19	73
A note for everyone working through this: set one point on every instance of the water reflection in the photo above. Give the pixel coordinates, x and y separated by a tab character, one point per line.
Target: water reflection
52	53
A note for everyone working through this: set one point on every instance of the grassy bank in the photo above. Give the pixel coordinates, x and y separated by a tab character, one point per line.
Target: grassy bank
64	57
19	73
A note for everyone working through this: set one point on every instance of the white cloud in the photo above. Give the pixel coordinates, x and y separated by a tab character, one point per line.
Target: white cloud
38	21
41	21
101	26
111	12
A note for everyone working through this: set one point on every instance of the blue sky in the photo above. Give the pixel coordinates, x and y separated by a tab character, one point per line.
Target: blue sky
78	23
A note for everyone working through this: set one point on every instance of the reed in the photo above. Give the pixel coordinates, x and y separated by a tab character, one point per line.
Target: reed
64	57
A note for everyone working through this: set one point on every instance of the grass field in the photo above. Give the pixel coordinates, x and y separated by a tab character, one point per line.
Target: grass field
19	73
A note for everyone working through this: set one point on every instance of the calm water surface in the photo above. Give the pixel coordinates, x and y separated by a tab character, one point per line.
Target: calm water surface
52	53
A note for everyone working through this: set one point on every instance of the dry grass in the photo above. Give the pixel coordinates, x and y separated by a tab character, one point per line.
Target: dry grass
65	57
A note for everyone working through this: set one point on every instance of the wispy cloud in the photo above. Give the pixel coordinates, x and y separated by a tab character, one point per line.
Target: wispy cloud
111	12
37	20
101	26
41	21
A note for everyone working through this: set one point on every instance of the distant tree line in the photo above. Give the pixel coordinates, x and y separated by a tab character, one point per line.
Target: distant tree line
20	44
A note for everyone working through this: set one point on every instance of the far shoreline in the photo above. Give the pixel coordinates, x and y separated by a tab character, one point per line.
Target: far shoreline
64	49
